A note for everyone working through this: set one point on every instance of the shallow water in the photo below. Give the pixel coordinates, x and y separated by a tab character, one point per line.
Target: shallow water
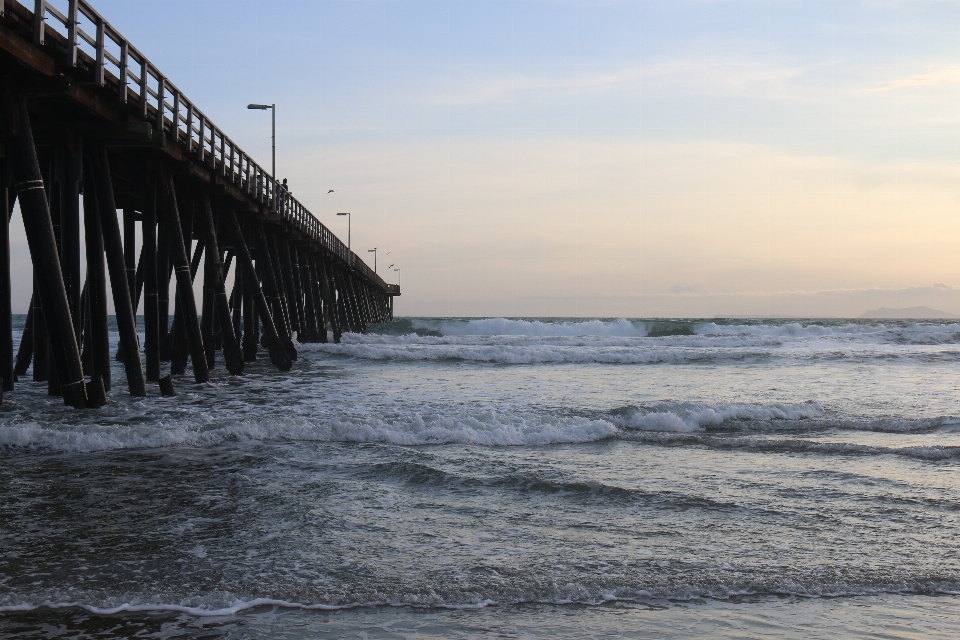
507	477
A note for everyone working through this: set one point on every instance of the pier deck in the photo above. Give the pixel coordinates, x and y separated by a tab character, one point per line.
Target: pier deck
84	113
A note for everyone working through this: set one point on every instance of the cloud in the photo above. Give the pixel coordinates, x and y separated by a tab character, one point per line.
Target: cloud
501	88
937	77
707	76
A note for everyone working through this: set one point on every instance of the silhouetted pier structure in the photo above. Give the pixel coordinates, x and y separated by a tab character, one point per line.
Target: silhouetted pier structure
84	113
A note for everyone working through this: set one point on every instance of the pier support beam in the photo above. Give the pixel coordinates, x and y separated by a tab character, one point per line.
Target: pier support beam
294	301
319	274
236	304
151	308
277	350
314	319
338	311
163	275
231	348
251	330
265	262
41	341
70	228
43	252
6	320
96	285
188	305
110	228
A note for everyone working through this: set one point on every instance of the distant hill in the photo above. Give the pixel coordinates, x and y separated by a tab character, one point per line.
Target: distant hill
919	313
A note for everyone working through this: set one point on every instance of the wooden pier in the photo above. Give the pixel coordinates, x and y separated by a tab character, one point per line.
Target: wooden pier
86	118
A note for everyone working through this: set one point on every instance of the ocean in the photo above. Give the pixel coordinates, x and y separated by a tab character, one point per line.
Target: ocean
504	478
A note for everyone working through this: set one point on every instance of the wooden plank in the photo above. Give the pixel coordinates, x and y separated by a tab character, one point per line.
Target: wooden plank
72	21
39	14
144	94
26	53
124	71
99	73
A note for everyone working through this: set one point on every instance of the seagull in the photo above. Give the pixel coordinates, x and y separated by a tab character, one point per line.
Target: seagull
331	191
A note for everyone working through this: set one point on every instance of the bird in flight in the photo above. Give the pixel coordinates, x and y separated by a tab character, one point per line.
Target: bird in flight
331	191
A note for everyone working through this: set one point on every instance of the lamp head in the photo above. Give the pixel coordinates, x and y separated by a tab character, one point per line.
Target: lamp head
258	106
343	214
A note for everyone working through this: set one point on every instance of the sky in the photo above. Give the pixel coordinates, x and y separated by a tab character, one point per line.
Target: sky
600	158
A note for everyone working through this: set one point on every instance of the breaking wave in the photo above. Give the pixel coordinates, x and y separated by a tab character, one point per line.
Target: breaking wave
932	332
485	425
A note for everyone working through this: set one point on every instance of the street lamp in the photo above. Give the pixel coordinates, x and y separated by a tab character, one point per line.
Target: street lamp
374	252
348	226
398	276
273	144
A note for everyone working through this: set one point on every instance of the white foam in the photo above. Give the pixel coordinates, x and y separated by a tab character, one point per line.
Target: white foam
416	348
567	594
463	424
505	327
872	331
688	417
525	342
482	427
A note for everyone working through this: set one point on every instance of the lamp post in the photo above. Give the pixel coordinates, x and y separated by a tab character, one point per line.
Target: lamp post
374	252
348	226
398	276
349	217
273	145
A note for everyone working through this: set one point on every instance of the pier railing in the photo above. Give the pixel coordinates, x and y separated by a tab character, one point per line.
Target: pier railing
117	66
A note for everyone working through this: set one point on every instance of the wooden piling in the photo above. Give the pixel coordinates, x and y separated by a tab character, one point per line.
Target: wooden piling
86	340
236	303
178	255
293	306
314	320
43	252
250	329
41	340
207	312
53	161
96	283
151	308
231	348
336	314
324	295
275	347
164	274
117	263
6	315
130	252
179	346
272	290
70	229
